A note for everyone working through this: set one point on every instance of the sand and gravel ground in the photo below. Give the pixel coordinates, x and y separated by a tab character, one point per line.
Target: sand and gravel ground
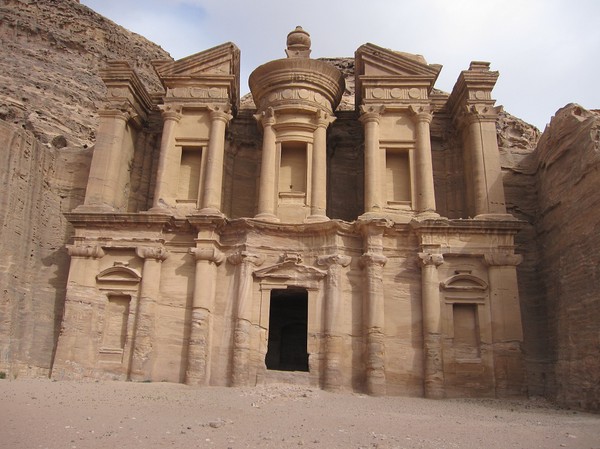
93	415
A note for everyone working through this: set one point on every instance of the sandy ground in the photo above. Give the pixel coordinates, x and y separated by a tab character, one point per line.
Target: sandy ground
47	414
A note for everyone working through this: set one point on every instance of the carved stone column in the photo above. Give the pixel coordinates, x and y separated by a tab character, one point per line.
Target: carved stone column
213	182
374	319
373	194
145	329
243	316
433	366
199	346
333	339
165	179
488	189
318	203
267	189
106	162
507	331
424	167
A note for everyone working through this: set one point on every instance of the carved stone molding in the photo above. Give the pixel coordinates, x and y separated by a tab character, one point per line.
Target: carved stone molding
198	92
372	259
334	259
94	251
245	256
117	111
209	254
431	259
502	259
152	252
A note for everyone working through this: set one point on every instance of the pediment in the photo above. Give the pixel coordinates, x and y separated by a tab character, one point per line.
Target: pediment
464	282
372	60
222	60
290	270
119	275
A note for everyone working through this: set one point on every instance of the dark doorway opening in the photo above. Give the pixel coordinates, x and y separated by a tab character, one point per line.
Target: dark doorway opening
288	329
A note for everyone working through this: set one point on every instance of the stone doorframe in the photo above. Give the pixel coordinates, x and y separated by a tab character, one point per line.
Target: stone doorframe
292	273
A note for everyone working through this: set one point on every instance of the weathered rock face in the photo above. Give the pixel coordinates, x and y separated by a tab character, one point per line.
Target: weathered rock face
568	177
51	52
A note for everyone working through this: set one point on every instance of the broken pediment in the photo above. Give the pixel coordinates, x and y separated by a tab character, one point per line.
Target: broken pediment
217	67
372	60
291	272
385	75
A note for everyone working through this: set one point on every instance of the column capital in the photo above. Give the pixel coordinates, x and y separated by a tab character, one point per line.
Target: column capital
125	113
477	113
246	257
266	117
152	252
220	112
371	113
333	259
323	119
171	111
431	259
87	251
208	254
372	259
502	259
421	113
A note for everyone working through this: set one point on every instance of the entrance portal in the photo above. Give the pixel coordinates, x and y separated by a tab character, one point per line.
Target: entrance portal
288	331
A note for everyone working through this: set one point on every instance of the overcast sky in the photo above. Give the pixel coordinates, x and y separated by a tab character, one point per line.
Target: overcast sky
547	51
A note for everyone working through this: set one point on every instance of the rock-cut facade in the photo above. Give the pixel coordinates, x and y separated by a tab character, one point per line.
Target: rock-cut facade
343	226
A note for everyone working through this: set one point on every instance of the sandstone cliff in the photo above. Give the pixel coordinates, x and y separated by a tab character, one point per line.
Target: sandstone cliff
568	225
51	51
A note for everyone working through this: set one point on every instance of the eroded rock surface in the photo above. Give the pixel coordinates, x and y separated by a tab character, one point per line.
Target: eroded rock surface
568	177
51	52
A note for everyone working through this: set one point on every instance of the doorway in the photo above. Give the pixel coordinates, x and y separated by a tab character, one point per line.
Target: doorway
288	329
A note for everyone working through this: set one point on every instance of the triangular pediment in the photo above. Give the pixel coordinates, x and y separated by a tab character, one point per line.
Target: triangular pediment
372	60
290	270
223	59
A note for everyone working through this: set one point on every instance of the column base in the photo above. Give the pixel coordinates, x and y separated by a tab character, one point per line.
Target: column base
267	217
212	211
316	219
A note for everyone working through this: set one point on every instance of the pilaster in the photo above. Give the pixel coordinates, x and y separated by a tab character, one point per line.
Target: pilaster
103	180
433	365
333	339
241	336
145	326
507	332
199	346
374	322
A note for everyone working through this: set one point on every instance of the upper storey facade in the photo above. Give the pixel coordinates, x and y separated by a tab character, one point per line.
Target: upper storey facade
179	153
